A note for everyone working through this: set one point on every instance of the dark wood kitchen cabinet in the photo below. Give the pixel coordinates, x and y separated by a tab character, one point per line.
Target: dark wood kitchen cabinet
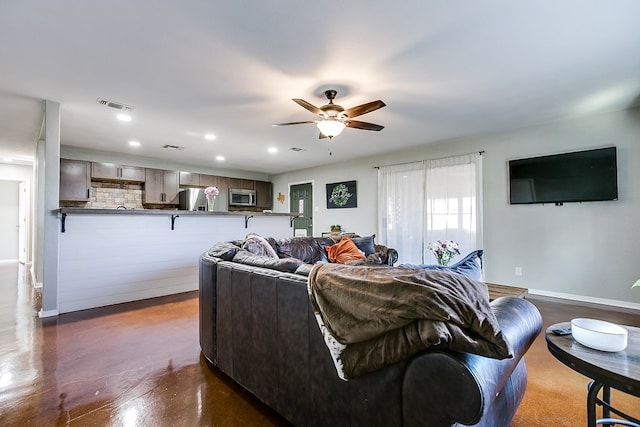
115	172
189	179
201	180
222	182
75	180
161	187
209	181
240	183
264	194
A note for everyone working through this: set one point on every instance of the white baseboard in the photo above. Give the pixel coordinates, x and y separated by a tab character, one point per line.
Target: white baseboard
47	313
36	285
582	298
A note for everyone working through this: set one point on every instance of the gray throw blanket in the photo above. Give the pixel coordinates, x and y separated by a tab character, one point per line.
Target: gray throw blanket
374	316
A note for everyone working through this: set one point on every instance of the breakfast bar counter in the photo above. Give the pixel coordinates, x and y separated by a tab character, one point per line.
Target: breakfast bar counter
110	256
173	213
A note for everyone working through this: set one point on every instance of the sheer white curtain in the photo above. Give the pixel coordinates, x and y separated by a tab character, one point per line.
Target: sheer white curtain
401	205
431	200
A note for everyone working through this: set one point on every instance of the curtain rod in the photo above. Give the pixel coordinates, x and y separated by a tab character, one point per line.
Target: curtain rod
481	152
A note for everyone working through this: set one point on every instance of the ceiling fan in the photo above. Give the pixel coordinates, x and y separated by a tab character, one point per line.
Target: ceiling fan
333	118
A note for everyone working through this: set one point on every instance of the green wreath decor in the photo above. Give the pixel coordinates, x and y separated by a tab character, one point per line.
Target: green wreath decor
340	195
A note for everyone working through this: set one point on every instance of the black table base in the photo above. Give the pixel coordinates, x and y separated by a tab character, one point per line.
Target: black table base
593	400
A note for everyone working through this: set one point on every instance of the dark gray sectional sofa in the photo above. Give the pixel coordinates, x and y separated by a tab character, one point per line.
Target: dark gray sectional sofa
257	327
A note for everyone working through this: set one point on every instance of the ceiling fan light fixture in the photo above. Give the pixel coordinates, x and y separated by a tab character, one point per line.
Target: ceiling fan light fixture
330	127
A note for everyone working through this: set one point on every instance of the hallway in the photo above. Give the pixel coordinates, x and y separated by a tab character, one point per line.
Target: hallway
139	364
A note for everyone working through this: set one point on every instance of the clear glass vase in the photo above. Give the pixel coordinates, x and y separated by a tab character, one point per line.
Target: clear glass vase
210	203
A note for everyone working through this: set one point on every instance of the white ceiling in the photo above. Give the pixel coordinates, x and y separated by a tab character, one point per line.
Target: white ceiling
445	69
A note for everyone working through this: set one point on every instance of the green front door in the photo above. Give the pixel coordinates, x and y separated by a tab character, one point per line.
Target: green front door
301	202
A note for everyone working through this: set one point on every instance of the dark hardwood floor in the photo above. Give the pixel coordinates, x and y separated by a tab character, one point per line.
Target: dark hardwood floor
139	364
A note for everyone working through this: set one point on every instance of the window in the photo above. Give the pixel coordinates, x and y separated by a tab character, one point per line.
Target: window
431	200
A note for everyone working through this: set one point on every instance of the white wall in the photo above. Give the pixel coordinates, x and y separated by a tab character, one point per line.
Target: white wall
361	220
585	251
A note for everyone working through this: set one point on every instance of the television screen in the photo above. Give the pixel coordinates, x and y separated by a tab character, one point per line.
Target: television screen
581	176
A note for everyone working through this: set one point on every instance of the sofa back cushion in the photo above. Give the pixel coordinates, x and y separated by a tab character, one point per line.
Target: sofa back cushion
307	249
366	244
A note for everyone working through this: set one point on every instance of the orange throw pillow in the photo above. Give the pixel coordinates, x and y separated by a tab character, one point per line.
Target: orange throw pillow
343	251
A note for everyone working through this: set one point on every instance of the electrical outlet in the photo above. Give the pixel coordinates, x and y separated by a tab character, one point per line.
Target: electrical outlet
518	271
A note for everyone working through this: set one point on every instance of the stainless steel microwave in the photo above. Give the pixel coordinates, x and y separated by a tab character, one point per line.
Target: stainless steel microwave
242	197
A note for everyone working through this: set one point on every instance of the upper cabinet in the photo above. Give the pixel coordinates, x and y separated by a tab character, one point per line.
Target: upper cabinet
264	194
239	183
75	180
189	179
161	187
208	180
114	172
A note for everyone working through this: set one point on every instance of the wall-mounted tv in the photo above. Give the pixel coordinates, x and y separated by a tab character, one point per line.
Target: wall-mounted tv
580	176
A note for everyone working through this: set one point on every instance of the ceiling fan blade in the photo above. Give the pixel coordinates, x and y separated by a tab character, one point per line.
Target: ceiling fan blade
308	106
364	108
321	135
362	125
294	123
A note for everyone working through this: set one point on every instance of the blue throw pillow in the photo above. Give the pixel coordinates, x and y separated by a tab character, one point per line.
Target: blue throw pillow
366	244
470	266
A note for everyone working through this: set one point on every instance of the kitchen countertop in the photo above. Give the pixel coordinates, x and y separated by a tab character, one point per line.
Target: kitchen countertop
94	211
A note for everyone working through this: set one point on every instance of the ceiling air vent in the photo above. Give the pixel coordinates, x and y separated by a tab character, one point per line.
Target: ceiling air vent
172	147
115	105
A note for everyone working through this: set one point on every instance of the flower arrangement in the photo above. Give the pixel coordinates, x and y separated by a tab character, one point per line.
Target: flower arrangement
637	284
211	191
444	251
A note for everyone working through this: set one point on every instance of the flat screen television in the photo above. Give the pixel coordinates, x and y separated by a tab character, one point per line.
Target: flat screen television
580	176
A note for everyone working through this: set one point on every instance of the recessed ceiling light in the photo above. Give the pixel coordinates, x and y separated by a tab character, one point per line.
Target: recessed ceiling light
124	117
219	158
273	150
134	143
209	136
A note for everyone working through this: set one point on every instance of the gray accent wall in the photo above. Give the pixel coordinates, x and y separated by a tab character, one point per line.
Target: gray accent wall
584	251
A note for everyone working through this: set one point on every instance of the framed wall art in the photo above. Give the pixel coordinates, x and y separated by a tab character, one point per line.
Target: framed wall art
342	195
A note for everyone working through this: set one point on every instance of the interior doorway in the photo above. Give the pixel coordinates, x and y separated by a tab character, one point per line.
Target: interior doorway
301	201
9	219
24	214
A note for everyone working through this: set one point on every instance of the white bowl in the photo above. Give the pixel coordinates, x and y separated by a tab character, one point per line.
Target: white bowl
599	334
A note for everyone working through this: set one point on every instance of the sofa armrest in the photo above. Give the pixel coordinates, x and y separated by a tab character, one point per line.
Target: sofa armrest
430	395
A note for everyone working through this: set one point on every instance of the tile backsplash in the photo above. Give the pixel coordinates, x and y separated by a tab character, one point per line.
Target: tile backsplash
108	195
